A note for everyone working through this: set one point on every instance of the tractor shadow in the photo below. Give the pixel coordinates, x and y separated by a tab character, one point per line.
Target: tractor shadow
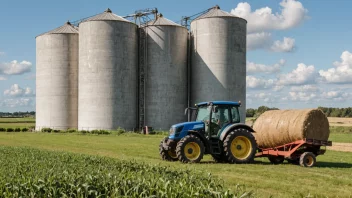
333	165
318	164
213	162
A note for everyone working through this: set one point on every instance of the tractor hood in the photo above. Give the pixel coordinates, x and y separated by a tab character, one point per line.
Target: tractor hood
190	125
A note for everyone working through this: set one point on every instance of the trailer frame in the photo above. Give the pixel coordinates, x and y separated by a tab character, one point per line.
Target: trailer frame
302	151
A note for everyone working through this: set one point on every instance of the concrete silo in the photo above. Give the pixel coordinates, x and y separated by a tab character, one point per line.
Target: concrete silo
165	73
107	73
219	58
57	78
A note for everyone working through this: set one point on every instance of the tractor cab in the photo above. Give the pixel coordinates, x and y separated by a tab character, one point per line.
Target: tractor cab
214	129
217	116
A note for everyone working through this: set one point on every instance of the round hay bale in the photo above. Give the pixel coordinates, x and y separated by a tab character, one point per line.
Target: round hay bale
279	127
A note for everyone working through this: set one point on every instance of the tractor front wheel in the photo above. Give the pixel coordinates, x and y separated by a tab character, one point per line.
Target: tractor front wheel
240	146
190	149
168	155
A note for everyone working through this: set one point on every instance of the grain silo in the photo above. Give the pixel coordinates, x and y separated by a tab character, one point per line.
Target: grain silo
57	78
219	58
107	73
165	73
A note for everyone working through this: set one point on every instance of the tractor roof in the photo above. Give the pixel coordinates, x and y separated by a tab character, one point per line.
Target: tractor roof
220	103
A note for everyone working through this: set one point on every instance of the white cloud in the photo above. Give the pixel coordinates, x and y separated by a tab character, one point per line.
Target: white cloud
292	14
2	78
266	97
259	83
342	73
305	88
260	68
263	40
17	91
287	45
301	96
260	40
18	102
301	75
336	96
262	95
15	68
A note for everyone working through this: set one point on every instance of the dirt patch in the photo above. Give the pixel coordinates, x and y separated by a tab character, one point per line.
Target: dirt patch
347	147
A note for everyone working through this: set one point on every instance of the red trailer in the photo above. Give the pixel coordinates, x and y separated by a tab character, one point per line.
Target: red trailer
303	152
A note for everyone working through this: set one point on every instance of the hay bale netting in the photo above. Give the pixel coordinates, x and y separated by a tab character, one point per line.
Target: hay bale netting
278	127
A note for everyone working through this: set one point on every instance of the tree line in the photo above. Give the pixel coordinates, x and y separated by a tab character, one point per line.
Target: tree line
17	114
256	112
328	111
337	112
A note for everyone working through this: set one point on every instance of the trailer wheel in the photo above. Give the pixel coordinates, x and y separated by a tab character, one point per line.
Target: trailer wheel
307	159
168	155
276	159
240	146
190	149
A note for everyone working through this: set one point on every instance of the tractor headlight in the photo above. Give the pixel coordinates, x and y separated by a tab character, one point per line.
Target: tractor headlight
172	131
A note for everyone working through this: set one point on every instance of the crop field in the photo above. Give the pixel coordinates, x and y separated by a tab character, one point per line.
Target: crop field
340	121
330	177
36	173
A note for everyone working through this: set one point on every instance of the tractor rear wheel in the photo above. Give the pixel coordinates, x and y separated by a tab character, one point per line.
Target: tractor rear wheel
240	146
168	155
190	149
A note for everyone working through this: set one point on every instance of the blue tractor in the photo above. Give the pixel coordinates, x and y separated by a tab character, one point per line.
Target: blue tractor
215	129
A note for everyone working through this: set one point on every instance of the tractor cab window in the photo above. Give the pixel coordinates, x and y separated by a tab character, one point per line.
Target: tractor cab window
235	115
203	113
221	115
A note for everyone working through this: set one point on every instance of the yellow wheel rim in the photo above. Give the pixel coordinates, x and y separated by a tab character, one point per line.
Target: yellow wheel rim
172	154
309	161
192	150
241	147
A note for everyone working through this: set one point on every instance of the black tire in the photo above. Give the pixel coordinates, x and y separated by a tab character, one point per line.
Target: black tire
293	161
166	154
190	149
219	158
246	138
276	159
307	159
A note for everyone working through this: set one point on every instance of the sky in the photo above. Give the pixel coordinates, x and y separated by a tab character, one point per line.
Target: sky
299	53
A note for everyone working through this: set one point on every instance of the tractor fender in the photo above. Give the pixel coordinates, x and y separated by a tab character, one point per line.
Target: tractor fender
201	137
232	127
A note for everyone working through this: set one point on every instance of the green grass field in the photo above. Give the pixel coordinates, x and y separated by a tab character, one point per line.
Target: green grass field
17	122
331	177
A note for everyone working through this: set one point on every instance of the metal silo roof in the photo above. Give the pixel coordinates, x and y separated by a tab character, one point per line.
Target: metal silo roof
160	20
68	28
216	12
107	15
